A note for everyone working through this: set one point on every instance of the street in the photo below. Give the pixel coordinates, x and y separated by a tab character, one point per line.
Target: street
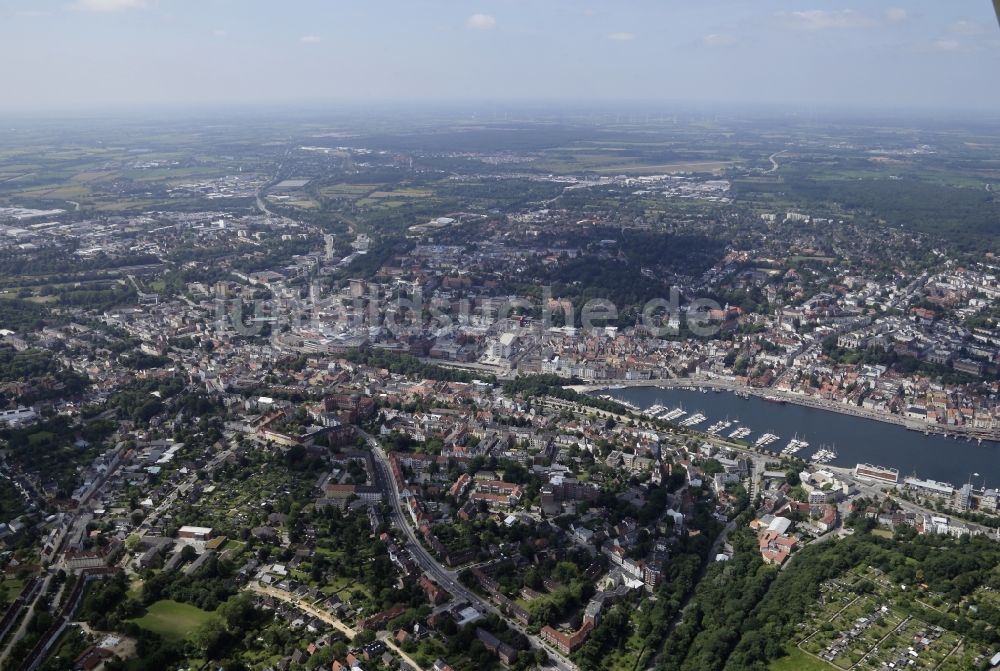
443	576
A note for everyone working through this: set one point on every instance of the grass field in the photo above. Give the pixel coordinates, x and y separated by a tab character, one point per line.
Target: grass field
173	620
800	661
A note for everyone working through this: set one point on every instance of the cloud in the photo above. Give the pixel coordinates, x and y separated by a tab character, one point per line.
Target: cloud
481	22
896	15
310	39
966	28
717	40
622	37
108	5
219	32
820	19
947	45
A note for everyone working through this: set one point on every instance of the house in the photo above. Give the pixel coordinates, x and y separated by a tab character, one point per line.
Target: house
434	593
828	519
151	558
91	658
775	547
506	653
195	533
567	643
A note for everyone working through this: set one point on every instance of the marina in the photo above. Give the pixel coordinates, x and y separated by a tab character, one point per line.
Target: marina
766	439
694	420
824	455
794	446
676	413
740	433
847	439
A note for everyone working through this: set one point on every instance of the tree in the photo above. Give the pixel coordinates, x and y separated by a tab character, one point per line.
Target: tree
210	638
239	613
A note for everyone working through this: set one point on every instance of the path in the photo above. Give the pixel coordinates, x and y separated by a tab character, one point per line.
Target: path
328	617
306	607
708	561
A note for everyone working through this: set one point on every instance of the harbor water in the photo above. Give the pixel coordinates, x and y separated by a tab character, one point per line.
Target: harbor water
852	439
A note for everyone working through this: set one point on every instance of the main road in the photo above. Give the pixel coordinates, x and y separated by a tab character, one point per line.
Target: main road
447	578
871	489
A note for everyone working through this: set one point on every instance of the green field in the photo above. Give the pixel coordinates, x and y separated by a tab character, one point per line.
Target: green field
798	660
173	620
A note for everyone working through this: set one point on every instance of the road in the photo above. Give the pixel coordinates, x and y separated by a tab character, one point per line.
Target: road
304	606
447	578
873	490
182	487
29	614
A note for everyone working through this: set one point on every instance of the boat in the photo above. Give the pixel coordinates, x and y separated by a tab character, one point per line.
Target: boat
676	413
774	399
719	427
766	439
740	433
795	445
824	455
694	420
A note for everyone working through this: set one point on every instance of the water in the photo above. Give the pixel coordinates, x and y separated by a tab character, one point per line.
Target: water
856	439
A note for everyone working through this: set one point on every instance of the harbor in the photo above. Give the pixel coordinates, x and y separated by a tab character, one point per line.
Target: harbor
817	435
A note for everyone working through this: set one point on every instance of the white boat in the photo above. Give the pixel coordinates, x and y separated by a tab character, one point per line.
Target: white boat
694	420
824	455
716	428
795	445
766	439
676	413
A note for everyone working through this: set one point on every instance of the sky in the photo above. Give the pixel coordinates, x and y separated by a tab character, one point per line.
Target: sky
64	55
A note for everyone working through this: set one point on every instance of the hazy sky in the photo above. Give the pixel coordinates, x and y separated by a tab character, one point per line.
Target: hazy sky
70	54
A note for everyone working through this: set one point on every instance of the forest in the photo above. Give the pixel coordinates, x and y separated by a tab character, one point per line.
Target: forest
744	613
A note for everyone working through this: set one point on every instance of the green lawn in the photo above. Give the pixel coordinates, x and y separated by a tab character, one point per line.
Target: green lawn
800	661
173	620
